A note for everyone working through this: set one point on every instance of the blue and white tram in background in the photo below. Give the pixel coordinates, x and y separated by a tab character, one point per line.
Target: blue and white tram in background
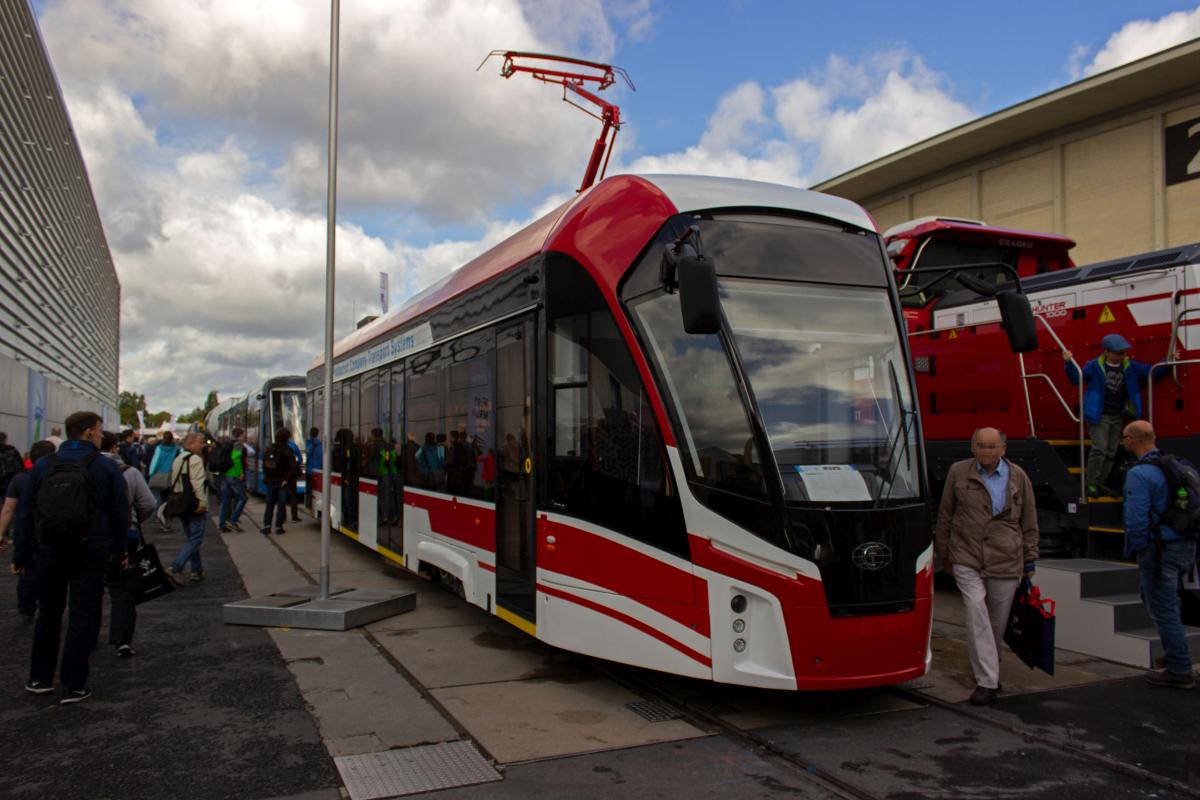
278	403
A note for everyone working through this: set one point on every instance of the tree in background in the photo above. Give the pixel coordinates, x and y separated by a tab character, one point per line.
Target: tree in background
198	414
128	404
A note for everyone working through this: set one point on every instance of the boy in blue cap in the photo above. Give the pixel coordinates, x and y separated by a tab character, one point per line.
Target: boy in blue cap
1112	391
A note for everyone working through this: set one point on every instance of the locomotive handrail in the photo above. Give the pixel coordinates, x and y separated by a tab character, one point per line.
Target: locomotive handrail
1026	377
1150	384
1176	320
1062	347
1061	400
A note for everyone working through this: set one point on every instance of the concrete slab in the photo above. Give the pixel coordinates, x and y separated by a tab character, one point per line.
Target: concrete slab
470	654
524	720
298	608
361	703
713	768
438	609
934	754
950	677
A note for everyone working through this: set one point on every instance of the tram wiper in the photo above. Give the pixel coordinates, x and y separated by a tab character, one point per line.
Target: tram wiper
902	429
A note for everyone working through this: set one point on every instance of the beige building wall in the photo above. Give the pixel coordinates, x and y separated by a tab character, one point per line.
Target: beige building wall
1101	183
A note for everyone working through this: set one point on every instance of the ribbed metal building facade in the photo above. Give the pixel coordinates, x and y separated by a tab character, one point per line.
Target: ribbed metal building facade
59	293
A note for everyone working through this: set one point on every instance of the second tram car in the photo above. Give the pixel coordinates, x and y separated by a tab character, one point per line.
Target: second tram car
278	403
745	504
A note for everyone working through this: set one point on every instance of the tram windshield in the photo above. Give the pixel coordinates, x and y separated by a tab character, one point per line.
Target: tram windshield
818	367
826	370
287	411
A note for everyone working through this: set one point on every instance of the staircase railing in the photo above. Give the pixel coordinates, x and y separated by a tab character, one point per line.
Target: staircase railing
1172	345
1076	418
1026	378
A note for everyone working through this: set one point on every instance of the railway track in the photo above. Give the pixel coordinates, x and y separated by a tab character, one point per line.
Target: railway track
702	716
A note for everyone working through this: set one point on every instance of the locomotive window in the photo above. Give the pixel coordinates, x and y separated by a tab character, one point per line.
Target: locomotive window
607	460
943	253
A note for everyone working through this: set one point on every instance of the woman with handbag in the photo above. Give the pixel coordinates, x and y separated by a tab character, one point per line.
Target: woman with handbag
187	503
160	473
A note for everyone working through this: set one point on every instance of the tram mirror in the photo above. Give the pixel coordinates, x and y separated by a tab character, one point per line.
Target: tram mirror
1018	321
698	297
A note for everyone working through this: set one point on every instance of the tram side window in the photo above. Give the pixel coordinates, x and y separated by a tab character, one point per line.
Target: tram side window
335	423
607	460
253	418
470	439
368	422
426	420
397	433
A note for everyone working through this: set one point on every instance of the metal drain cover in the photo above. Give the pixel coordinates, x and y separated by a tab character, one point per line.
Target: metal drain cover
410	770
653	710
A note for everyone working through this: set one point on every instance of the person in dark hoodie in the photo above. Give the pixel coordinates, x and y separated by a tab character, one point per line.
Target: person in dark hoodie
76	539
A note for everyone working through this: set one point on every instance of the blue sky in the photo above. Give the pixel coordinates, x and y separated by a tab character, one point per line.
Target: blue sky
202	124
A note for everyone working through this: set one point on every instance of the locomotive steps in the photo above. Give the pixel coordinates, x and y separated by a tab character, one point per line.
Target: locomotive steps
1100	611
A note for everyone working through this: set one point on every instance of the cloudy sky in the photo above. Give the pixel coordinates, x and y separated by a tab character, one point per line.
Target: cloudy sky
203	125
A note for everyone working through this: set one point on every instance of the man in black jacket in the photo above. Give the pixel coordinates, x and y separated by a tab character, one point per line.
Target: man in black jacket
74	560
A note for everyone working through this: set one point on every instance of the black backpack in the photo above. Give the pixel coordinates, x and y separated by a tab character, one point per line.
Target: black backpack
10	465
65	502
1183	495
221	460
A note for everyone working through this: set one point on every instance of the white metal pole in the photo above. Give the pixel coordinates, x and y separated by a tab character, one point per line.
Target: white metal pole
330	270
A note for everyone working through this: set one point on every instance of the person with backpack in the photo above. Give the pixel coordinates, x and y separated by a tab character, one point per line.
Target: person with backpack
11	463
186	502
314	457
122	586
293	495
159	476
229	461
279	468
74	510
1162	504
27	583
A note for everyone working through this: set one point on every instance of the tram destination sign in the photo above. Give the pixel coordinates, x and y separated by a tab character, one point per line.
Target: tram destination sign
1181	151
398	346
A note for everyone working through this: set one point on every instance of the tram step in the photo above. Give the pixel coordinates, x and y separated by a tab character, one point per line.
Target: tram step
1129	612
1104	579
1149	636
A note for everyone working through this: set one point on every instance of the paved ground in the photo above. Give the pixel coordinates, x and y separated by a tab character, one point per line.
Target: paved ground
212	711
203	710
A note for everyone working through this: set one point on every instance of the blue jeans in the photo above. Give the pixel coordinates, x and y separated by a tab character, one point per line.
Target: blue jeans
193	528
277	498
1160	591
232	489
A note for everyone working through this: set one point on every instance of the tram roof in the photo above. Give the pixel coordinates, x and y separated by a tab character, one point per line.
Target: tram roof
641	203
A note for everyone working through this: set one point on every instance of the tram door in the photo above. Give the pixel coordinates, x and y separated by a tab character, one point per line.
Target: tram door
516	478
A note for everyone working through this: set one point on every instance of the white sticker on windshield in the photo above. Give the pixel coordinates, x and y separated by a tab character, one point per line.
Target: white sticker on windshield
833	482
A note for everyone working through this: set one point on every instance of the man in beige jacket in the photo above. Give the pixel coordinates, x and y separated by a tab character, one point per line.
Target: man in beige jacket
189	466
987	538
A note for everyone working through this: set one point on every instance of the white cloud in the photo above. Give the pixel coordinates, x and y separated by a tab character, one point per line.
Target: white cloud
821	124
203	127
1139	39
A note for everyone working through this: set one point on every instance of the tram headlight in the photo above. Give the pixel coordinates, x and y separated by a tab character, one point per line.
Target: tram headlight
739	625
738	603
739	645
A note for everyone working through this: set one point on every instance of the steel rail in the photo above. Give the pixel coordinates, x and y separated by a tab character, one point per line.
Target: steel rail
1112	764
690	713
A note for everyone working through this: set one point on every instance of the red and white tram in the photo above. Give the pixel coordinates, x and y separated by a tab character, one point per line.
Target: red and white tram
745	505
